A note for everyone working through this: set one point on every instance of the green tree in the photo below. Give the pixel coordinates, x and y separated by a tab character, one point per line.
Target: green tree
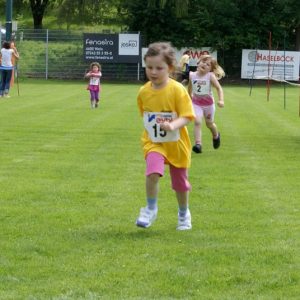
156	21
180	6
226	25
290	20
87	12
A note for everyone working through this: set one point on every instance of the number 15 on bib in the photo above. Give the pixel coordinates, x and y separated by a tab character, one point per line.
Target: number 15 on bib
152	121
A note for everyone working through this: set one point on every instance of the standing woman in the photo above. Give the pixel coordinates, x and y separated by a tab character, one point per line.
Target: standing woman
184	66
6	55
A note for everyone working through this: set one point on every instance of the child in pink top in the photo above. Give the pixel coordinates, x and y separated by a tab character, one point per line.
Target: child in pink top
94	84
207	74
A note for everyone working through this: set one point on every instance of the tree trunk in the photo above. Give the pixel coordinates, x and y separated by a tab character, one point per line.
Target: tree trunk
37	22
38	8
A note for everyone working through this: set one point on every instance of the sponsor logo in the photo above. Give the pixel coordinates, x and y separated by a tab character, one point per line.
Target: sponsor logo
129	44
256	56
99	42
197	54
160	118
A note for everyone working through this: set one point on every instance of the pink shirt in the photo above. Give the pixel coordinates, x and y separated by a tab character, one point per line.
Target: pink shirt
201	89
94	84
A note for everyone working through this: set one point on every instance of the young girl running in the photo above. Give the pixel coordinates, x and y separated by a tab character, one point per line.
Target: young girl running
166	108
94	85
208	73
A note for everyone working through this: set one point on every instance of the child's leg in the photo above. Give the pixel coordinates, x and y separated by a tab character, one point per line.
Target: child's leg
152	188
197	131
209	114
183	202
92	94
211	125
154	170
197	124
97	96
213	128
155	163
181	185
197	148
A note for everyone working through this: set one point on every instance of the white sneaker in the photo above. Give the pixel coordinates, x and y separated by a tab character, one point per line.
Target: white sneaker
185	222
146	217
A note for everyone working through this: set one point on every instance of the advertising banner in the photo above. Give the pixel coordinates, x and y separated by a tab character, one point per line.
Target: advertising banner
265	64
196	53
111	48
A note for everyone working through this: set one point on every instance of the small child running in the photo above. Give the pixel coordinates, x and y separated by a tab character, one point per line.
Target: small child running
94	84
208	73
166	108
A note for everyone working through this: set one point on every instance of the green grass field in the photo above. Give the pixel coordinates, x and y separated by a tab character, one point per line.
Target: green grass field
72	184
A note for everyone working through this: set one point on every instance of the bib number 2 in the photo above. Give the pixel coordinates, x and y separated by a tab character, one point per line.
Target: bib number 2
152	121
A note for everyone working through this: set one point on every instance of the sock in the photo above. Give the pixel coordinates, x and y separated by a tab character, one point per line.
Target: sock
182	210
152	203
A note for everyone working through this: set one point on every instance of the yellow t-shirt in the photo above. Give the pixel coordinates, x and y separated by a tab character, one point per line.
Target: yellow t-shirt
172	98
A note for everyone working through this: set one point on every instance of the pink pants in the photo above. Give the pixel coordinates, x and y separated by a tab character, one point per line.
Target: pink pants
155	163
94	95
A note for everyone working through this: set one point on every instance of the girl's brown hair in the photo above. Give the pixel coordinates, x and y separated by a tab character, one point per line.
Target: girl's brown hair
95	64
165	50
215	67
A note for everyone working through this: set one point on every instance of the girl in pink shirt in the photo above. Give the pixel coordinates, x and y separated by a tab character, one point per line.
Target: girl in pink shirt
94	84
207	74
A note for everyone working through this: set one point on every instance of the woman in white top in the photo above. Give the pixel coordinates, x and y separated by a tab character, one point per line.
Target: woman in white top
6	54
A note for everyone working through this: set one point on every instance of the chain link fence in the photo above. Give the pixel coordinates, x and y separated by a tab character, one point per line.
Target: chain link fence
59	54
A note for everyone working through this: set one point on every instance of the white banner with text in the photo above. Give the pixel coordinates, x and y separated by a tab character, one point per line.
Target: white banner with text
270	64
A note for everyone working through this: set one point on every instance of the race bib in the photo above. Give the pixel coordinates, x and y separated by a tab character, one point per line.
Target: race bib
200	87
152	121
94	81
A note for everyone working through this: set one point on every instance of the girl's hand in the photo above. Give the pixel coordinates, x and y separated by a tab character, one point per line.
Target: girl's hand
167	126
221	103
175	124
95	75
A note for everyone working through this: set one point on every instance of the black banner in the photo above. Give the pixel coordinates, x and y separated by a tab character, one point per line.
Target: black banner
111	48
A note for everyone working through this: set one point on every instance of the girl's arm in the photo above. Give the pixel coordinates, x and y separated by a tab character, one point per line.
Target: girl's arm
214	81
190	86
88	74
15	53
176	124
98	75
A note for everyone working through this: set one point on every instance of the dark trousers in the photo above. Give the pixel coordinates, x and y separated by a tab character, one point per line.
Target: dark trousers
5	81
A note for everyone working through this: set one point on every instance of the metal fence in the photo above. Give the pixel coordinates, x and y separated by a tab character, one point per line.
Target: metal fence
59	54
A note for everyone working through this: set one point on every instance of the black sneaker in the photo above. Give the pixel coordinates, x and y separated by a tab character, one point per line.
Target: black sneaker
197	148
217	141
